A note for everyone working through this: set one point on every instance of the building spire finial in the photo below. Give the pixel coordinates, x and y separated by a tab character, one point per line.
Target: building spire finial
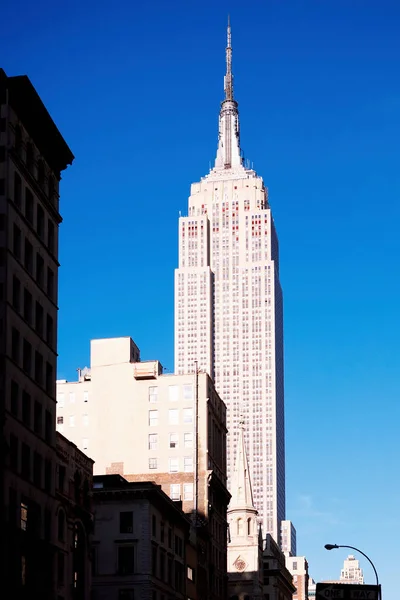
242	495
228	76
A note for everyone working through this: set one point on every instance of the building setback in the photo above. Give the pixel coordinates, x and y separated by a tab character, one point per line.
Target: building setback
32	156
228	307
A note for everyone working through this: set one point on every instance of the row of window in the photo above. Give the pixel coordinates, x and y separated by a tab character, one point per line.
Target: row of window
173	416
43	375
21	408
173	464
23	304
35	218
173	440
173	393
37	271
71	397
31	465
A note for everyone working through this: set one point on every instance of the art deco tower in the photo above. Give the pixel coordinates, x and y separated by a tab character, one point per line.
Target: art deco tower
228	307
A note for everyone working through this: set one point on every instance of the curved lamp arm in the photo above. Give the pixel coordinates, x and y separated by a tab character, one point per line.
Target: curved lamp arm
334	546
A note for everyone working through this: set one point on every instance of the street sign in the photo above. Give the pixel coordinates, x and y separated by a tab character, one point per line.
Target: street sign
347	591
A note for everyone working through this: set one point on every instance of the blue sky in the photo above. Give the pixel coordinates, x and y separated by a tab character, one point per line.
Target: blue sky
135	90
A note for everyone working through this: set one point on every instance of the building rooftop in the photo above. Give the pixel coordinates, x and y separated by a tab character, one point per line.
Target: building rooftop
25	101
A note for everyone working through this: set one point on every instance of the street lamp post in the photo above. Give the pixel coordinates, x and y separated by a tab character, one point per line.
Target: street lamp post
334	546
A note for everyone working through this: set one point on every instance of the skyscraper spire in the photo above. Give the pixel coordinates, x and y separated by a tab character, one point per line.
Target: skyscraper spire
228	153
228	76
242	495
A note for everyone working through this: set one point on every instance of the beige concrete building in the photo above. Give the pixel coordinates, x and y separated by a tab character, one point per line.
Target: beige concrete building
137	422
139	542
228	307
32	156
298	567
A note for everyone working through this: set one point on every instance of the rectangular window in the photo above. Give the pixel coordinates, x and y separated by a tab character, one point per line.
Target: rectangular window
188	491
173	416
50	236
173	393
40	221
26	408
39	269
47	475
153	394
14	399
126	522
153	441
28	256
16	293
173	440
86	396
61	477
188	392
17	242
188	439
153	417
13	452
39	319
152	463
17	189
49	379
29	205
175	491
173	465
85	443
60	400
188	415
188	464
50	331
85	419
15	345
48	426
126	560
26	461
24	516
37	418
72	420
72	397
50	283
60	420
28	303
37	469
38	368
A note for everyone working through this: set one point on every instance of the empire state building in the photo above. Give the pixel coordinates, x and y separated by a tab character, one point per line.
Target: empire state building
228	307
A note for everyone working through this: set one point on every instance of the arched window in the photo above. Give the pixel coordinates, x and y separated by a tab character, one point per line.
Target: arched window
29	157
248	526
240	526
61	525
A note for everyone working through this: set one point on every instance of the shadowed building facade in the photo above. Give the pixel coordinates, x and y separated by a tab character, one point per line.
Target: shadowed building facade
32	156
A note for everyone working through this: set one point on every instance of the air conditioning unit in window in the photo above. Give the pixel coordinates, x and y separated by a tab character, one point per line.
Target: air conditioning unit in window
129	530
